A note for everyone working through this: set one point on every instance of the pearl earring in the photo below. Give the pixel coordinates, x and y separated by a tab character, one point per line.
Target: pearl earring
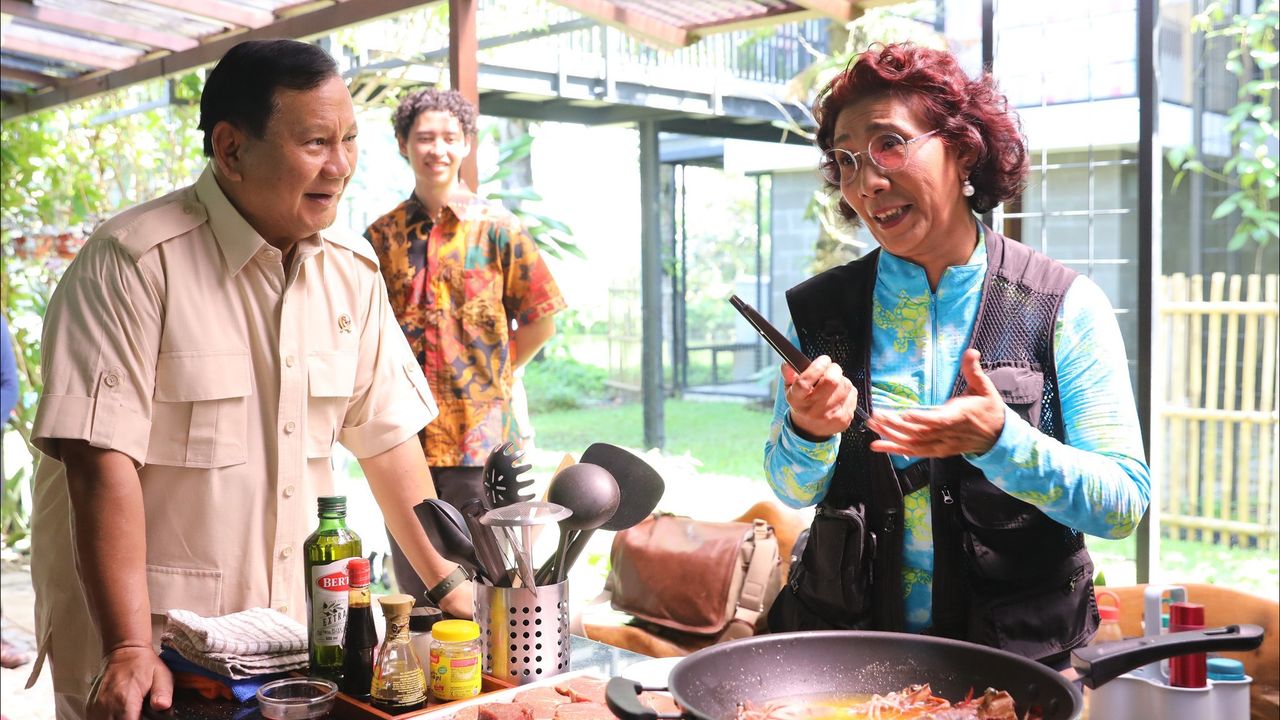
967	188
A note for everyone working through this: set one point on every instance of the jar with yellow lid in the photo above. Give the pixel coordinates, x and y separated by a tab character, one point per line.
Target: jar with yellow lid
455	659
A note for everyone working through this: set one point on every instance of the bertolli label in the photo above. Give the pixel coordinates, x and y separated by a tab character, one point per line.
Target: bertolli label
329	602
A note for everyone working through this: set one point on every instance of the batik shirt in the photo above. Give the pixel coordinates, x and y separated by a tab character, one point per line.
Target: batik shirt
456	282
1096	482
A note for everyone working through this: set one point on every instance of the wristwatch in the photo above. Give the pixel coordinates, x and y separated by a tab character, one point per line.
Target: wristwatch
447	585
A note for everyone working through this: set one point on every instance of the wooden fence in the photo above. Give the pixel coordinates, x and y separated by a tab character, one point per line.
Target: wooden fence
1216	437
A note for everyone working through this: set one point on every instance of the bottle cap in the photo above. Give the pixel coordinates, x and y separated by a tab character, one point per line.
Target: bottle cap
333	504
358	571
1225	669
455	631
1185	616
423	618
395	605
1109	613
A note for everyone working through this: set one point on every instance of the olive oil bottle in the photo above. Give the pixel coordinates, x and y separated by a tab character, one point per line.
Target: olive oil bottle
327	551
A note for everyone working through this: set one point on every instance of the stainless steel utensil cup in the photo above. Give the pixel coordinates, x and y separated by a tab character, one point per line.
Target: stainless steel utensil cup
525	631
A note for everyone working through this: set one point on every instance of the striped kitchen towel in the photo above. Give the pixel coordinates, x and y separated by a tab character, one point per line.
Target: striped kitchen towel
240	645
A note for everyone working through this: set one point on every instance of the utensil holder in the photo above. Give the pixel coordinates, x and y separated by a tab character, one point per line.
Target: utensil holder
525	630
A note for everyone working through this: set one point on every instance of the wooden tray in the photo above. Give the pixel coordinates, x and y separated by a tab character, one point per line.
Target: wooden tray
349	708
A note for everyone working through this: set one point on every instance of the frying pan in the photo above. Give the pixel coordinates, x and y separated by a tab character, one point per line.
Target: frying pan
710	683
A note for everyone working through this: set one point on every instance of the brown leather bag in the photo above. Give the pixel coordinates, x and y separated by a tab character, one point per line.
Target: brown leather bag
706	578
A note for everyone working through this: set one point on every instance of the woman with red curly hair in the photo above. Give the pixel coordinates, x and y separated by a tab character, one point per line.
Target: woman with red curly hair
968	416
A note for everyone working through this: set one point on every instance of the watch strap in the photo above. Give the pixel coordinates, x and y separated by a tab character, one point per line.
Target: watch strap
447	585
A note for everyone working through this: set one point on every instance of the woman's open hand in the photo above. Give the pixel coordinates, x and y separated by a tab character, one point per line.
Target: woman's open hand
970	423
822	400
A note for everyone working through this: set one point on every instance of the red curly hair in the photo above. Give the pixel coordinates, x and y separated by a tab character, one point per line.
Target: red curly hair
971	116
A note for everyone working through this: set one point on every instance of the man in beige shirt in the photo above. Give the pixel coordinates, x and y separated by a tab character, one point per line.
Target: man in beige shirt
201	356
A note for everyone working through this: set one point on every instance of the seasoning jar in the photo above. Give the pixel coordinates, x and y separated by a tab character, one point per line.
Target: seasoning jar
455	659
421	619
1109	627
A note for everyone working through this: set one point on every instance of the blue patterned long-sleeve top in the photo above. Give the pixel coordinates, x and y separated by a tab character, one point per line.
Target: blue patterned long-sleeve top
1096	482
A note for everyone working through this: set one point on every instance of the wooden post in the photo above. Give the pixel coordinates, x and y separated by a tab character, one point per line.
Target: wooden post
464	68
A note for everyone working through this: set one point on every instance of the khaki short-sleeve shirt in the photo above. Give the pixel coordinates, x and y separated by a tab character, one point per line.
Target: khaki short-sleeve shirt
178	338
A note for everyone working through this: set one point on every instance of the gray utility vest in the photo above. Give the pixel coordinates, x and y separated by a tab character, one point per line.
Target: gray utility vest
1005	574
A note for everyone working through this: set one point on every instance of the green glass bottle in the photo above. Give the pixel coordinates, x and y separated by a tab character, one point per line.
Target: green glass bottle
327	552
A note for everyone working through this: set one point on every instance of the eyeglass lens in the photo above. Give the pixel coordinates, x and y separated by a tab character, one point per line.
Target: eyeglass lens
887	150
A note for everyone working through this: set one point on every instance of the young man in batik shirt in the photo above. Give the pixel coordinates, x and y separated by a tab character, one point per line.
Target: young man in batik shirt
470	290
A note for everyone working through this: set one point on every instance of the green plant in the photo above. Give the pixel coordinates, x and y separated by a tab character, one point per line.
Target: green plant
1251	123
551	235
560	383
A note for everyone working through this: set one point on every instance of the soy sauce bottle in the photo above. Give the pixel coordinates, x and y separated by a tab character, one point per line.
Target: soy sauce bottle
361	636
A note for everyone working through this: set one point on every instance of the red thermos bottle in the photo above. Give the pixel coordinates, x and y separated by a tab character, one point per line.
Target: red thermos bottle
1187	671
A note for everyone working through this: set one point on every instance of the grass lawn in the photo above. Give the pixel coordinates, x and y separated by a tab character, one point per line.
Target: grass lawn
727	438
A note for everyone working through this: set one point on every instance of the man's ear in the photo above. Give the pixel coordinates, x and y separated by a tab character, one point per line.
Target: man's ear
228	150
403	143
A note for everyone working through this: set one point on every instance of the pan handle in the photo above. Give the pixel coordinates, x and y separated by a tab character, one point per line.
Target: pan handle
623	698
1099	664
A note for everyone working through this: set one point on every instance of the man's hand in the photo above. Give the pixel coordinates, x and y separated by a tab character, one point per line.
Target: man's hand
128	676
822	400
970	423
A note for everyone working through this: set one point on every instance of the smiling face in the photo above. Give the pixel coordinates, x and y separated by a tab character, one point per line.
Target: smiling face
287	183
917	212
435	148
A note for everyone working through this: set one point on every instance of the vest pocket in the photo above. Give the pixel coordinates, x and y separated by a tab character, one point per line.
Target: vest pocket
1042	618
833	579
1021	388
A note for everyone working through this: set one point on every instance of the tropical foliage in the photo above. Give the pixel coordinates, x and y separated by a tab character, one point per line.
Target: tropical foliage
1251	172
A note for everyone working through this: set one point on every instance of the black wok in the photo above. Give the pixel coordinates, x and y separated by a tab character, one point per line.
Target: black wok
710	683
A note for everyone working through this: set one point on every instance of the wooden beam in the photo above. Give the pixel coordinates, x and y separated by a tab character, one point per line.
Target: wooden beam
464	69
26	76
225	12
97	25
840	10
300	26
65	54
633	22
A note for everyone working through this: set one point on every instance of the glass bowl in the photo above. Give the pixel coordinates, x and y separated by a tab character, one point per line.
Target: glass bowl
298	698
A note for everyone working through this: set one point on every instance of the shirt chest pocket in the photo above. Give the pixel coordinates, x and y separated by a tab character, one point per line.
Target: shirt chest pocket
331	378
199	409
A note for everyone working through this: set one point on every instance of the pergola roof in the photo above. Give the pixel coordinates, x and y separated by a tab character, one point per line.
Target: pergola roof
57	51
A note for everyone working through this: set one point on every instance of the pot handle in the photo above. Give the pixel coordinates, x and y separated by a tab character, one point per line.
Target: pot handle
1100	664
623	698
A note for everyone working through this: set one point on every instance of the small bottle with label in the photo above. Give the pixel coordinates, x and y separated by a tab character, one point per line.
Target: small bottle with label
455	659
399	683
361	636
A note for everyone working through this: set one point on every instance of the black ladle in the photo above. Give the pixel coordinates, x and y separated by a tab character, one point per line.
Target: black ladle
488	554
593	495
640	488
447	530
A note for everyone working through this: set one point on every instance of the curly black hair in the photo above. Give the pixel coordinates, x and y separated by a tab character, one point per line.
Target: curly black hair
433	100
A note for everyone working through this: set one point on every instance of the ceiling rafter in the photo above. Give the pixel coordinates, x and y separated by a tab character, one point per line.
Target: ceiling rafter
66	54
633	22
841	10
26	76
97	25
230	13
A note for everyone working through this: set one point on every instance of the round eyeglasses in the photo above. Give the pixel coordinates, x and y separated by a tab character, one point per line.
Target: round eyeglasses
888	151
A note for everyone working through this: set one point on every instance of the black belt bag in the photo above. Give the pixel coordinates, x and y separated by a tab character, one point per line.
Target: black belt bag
829	587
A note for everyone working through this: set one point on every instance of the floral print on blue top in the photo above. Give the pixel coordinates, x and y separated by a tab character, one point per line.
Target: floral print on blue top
1097	482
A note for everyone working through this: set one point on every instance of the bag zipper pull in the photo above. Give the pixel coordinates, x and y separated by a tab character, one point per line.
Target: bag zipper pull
946	496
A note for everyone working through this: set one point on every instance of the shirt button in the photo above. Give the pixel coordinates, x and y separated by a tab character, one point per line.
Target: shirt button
283	609
112	380
288	361
271	254
288	491
290	426
287	552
